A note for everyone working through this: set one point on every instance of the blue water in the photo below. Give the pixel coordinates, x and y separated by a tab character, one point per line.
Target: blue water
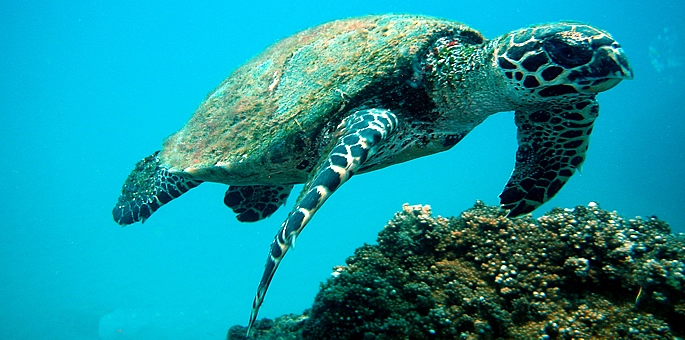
90	87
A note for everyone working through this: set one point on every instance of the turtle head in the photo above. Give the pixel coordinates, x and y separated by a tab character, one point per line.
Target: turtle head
560	59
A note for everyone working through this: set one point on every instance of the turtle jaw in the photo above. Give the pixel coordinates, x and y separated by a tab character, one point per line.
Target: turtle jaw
605	84
608	68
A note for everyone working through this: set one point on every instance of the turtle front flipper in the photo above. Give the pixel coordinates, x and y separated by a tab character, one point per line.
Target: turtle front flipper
552	145
148	187
362	133
255	202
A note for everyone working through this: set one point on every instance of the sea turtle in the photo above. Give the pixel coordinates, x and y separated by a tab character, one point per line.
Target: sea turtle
359	94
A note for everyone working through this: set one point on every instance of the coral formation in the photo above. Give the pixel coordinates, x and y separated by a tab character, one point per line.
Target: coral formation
570	274
285	327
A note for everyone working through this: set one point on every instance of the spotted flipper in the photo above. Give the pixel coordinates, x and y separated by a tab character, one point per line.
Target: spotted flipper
552	145
148	187
362	133
255	202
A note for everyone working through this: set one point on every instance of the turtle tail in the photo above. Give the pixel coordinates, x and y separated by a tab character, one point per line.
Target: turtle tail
148	187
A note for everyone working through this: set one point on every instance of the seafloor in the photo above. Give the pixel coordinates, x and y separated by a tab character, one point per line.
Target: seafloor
571	274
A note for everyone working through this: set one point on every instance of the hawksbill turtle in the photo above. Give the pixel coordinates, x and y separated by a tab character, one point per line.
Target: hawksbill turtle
359	94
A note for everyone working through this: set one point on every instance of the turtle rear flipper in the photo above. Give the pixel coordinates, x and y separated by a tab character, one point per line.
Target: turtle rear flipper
253	203
552	145
148	187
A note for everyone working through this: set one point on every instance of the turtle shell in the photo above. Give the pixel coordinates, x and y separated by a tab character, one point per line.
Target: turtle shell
271	120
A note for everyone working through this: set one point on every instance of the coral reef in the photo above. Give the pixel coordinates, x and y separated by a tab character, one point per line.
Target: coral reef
285	327
570	274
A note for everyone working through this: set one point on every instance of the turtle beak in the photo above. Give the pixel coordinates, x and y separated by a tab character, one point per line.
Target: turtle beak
620	58
608	67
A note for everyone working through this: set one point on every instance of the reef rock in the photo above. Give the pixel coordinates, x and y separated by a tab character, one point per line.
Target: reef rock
570	274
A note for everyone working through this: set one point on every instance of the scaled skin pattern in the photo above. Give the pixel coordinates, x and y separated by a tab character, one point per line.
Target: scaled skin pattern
570	274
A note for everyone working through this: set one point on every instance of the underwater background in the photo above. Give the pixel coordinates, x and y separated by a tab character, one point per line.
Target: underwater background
89	88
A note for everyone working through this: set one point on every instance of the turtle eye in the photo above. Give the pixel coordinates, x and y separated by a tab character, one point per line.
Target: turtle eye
566	52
